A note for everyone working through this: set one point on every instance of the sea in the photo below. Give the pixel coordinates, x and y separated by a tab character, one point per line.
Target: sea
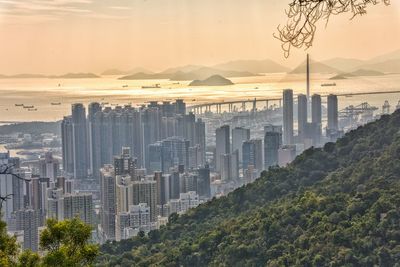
52	98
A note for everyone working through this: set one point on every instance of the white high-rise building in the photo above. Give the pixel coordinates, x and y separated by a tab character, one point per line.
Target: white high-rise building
12	185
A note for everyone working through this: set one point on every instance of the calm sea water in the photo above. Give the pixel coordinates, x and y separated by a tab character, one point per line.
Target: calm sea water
40	93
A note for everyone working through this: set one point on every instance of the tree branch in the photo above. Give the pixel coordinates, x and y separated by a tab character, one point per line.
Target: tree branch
303	16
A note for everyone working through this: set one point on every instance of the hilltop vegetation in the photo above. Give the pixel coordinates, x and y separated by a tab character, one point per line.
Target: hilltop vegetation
333	206
33	127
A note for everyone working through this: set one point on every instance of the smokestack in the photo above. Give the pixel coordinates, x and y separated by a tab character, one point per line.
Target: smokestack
308	78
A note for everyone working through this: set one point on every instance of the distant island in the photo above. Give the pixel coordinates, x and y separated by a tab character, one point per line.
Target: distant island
75	76
357	73
40	76
114	72
187	73
215	80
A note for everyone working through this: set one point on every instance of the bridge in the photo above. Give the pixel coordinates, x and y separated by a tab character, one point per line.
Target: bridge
230	105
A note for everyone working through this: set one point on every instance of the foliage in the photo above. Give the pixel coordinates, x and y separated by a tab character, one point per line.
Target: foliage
66	243
333	206
8	247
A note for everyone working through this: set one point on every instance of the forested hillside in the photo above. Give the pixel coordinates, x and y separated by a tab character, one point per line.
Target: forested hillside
334	206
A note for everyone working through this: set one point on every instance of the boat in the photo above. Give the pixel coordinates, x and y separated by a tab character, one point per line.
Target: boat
157	85
32	109
19	105
124	86
328	84
176	83
29	107
55	103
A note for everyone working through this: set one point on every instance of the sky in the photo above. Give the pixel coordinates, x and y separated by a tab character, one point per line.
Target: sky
58	36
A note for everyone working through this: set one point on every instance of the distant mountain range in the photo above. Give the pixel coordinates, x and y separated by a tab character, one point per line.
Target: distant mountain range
360	72
37	76
316	67
255	66
215	80
123	72
387	63
187	73
237	68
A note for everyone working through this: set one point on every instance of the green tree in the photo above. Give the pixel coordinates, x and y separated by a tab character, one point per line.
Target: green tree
8	247
66	244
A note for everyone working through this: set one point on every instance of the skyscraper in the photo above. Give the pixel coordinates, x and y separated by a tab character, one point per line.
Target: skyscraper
180	107
145	191
37	195
252	154
93	139
162	183
79	205
239	135
124	192
11	185
80	144
288	116
333	124
316	112
316	119
174	185
302	116
200	138
222	139
272	143
151	120
49	167
108	202
203	182
125	164
67	145
155	157
28	220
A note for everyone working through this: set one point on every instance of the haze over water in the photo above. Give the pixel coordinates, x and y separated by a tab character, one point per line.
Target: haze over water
42	92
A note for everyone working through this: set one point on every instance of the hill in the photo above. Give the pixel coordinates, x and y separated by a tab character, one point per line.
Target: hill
145	76
186	68
333	206
205	72
215	80
34	128
388	66
76	76
316	67
365	72
114	72
22	76
37	76
344	64
357	73
200	73
123	72
394	55
255	66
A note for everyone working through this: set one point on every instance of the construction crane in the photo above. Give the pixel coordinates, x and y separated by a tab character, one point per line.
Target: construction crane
386	108
352	112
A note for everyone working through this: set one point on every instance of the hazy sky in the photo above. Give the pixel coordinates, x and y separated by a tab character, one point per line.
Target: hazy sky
44	36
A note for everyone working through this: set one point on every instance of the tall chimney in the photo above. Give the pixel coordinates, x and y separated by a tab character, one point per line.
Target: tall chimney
308	78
